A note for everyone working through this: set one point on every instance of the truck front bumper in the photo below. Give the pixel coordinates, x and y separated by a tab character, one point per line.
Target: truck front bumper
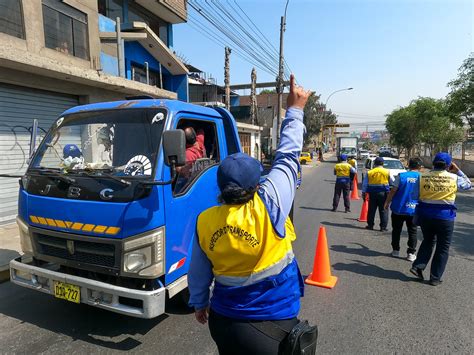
136	303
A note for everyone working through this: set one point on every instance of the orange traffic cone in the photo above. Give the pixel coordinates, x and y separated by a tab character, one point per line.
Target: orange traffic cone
355	191
364	210
321	275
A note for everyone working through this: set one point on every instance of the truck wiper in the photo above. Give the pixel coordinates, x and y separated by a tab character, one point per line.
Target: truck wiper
53	173
103	173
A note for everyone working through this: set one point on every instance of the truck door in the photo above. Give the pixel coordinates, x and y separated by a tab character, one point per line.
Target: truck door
194	191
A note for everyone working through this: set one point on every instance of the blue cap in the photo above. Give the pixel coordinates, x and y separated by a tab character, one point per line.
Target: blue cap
378	161
71	150
239	169
343	157
443	156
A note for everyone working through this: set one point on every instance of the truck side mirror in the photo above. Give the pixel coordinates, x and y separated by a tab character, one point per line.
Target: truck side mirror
174	147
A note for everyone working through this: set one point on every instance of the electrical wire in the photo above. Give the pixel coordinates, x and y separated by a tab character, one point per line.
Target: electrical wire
236	38
251	24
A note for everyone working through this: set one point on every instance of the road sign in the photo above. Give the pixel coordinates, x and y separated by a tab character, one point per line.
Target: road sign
337	125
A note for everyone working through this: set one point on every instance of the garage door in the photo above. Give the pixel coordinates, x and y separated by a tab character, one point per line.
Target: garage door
19	106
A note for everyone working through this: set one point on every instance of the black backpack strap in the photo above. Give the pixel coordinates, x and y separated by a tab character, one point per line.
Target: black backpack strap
271	329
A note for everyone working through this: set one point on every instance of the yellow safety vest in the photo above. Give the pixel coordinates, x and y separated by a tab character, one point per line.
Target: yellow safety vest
378	176
353	163
342	169
241	243
438	187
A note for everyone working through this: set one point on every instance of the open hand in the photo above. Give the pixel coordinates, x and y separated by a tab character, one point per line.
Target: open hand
298	96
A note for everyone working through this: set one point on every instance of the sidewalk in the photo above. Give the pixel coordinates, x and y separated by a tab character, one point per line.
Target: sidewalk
9	248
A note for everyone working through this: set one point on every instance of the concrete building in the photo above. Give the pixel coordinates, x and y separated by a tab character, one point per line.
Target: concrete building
266	117
55	54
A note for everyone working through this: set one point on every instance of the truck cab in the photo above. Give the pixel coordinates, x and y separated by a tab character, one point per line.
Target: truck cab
108	205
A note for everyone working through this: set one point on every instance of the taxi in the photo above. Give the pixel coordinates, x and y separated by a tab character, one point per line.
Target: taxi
305	158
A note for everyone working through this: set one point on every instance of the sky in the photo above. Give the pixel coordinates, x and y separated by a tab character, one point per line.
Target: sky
389	51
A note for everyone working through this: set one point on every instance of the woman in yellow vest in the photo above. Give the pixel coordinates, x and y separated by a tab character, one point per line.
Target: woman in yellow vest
244	246
436	212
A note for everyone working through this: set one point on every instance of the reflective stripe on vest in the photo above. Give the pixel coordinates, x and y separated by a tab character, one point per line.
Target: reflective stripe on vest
438	187
342	170
241	243
378	177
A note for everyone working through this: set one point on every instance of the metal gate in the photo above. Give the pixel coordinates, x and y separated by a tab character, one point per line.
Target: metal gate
19	106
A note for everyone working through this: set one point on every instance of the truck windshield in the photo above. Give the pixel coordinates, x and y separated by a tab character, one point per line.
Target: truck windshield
122	142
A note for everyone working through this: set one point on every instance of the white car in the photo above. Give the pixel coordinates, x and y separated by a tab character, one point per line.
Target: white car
393	165
364	154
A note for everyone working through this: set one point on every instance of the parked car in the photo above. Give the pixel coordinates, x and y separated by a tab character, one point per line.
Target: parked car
394	166
305	158
363	154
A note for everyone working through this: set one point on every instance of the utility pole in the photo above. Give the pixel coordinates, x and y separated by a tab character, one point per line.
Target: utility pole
227	77
279	87
253	97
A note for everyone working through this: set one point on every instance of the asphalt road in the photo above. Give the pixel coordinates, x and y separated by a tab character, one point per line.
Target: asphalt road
376	306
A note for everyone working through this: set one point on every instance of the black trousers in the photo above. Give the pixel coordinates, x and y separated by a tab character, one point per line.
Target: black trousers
234	336
397	226
377	200
439	233
343	187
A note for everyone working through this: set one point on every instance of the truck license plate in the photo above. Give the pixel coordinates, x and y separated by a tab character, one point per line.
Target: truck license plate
67	292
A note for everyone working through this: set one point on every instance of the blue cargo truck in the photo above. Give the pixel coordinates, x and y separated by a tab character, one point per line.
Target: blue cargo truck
108	205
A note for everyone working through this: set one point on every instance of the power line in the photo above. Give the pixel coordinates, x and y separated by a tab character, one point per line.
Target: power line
236	38
252	24
217	39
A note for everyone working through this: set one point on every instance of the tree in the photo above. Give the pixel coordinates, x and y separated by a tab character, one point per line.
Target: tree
267	91
315	116
461	98
424	120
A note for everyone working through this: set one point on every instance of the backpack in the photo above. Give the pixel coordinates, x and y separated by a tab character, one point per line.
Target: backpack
300	340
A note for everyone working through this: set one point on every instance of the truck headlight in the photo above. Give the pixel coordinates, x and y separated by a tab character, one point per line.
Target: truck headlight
25	238
144	254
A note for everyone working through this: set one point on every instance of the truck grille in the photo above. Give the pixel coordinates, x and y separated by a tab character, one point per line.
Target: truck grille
100	254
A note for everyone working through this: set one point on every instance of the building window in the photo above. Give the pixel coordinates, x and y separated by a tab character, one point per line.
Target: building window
139	74
111	8
11	18
65	29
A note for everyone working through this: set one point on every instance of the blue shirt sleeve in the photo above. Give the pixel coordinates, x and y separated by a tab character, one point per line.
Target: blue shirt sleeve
365	183
353	170
278	190
200	277
464	183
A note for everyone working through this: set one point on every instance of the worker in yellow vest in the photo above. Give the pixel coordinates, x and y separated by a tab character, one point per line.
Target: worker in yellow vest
376	185
244	246
353	163
436	212
343	172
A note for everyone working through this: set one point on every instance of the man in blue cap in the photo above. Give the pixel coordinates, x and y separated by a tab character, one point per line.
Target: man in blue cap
344	173
436	213
244	246
376	186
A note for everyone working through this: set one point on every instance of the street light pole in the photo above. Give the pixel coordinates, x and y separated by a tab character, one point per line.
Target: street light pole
279	88
325	108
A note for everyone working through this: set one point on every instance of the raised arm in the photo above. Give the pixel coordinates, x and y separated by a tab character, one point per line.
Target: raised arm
278	190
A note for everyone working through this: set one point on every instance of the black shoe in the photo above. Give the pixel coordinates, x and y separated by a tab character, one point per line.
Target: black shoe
369	228
435	282
417	272
333	210
348	210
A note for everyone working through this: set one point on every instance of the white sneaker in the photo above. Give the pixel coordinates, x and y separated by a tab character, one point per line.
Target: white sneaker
411	257
395	253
